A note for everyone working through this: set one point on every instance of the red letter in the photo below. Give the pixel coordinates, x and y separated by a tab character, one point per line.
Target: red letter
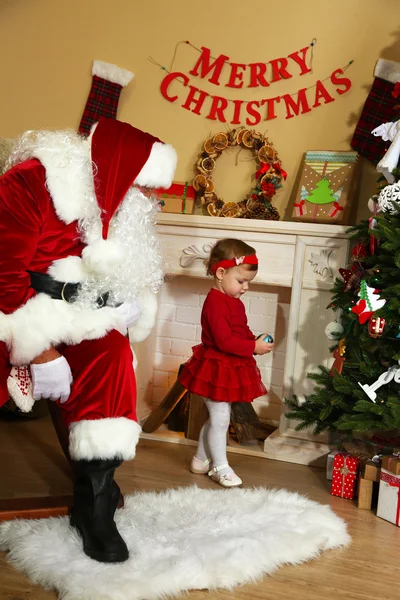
167	80
236	114
321	92
204	64
198	101
217	109
236	75
340	81
270	107
253	113
257	72
301	104
301	60
279	69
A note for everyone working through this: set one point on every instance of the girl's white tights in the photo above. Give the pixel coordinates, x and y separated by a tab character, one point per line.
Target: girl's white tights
212	441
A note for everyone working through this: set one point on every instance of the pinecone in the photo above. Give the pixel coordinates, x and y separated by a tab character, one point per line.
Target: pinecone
257	212
272	214
219	204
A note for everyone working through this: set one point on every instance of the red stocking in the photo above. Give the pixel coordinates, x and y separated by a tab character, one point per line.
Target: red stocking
378	109
108	81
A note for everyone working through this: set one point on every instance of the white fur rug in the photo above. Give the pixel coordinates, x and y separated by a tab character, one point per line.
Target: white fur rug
179	540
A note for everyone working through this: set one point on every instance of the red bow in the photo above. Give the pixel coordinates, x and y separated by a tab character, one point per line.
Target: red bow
264	169
278	168
396	90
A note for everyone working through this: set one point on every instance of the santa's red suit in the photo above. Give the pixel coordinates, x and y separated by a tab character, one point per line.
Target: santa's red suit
62	215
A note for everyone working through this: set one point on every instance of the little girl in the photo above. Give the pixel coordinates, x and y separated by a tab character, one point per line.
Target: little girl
222	368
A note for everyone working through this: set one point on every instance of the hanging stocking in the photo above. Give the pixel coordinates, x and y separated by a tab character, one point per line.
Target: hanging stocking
378	109
108	81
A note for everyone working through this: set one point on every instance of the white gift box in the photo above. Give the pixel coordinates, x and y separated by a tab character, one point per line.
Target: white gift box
389	497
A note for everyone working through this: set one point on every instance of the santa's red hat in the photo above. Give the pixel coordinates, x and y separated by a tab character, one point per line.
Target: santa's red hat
123	156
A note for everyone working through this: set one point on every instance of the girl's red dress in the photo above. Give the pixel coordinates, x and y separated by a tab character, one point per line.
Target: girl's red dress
223	367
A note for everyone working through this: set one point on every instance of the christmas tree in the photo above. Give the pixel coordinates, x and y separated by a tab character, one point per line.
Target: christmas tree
322	194
361	392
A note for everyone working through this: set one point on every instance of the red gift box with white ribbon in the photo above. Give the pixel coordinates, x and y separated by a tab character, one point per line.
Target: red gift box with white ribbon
344	477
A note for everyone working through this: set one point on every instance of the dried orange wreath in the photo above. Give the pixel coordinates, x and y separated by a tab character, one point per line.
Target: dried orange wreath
269	176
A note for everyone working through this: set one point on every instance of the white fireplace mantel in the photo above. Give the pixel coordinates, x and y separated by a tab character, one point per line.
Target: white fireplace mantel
302	256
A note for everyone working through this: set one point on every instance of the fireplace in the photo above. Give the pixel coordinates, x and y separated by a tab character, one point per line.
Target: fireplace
298	262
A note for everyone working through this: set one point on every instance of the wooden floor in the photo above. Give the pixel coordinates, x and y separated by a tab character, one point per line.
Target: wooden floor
31	464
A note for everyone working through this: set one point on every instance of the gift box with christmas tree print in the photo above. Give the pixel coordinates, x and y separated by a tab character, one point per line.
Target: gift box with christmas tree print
327	187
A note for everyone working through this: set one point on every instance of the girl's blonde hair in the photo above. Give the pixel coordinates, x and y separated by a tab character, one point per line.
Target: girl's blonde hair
227	250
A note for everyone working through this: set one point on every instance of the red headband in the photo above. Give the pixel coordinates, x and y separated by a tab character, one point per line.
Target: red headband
235	262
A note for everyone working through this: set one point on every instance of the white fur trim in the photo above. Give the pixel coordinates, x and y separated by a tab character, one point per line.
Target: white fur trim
70	269
390	160
388	70
104	438
112	73
141	330
43	322
102	256
160	167
66	181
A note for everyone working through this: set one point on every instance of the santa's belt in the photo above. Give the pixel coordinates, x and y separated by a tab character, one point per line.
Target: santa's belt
59	290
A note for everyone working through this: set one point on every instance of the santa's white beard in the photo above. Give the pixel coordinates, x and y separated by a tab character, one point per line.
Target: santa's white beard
132	235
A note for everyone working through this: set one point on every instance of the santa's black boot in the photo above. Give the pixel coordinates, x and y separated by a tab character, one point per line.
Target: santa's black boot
96	497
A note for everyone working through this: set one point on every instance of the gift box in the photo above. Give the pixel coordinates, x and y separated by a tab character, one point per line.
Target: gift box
372	471
329	464
392	464
178	198
327	187
389	497
365	492
344	478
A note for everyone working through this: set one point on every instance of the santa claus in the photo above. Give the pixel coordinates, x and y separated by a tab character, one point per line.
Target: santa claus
79	264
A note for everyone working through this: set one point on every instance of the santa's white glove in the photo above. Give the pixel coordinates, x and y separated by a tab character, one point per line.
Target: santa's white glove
52	380
130	311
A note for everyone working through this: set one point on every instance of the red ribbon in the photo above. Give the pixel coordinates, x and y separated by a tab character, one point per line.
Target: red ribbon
396	90
264	169
300	206
393	482
336	208
278	168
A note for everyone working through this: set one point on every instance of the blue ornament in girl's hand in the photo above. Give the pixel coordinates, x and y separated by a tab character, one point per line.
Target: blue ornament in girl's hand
268	339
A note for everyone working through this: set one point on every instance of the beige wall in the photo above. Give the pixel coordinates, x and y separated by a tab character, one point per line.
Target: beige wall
48	47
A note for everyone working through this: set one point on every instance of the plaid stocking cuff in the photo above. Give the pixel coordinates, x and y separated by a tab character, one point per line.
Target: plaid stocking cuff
107	83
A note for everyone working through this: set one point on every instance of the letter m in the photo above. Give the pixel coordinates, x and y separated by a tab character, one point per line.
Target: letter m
206	67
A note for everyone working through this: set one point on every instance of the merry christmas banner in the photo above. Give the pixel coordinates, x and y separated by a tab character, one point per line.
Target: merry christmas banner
185	89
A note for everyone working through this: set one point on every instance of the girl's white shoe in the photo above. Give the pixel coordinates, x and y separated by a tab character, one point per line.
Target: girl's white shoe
200	467
229	480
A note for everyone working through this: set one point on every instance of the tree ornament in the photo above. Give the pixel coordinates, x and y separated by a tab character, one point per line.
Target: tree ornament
373	205
389	194
338	355
376	326
334	330
370	390
369	303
